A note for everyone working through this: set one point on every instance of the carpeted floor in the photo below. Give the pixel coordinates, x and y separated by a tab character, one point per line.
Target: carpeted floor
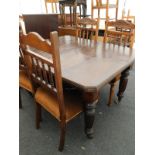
114	128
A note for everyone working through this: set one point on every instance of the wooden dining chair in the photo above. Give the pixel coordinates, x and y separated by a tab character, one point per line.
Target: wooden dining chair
64	106
24	80
87	28
54	5
121	33
129	18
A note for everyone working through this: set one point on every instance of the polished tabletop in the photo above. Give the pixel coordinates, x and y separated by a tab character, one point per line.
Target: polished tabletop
90	65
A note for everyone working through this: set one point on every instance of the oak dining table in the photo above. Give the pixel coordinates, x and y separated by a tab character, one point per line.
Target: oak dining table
90	65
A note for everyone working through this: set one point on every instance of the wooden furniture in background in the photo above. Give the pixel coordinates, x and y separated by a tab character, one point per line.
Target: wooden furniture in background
54	5
100	5
44	23
119	32
72	4
64	106
67	30
90	65
22	28
128	17
24	80
87	28
122	33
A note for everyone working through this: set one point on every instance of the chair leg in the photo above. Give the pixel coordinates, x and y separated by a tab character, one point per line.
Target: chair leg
38	115
62	135
112	90
20	100
40	118
30	93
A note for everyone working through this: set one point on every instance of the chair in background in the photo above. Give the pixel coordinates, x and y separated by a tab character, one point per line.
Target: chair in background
22	31
24	80
128	17
87	28
54	5
119	32
62	31
47	74
73	5
107	6
22	28
69	21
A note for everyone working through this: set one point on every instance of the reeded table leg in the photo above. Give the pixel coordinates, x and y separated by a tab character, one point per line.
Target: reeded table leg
123	83
90	99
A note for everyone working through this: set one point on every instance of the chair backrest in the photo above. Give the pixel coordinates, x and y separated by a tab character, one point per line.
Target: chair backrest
22	30
128	17
54	5
44	72
119	32
22	65
97	3
102	2
87	28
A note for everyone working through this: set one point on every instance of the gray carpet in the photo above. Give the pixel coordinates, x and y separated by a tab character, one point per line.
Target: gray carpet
114	128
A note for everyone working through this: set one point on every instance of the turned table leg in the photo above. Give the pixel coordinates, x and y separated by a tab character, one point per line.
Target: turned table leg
90	100
123	84
112	92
